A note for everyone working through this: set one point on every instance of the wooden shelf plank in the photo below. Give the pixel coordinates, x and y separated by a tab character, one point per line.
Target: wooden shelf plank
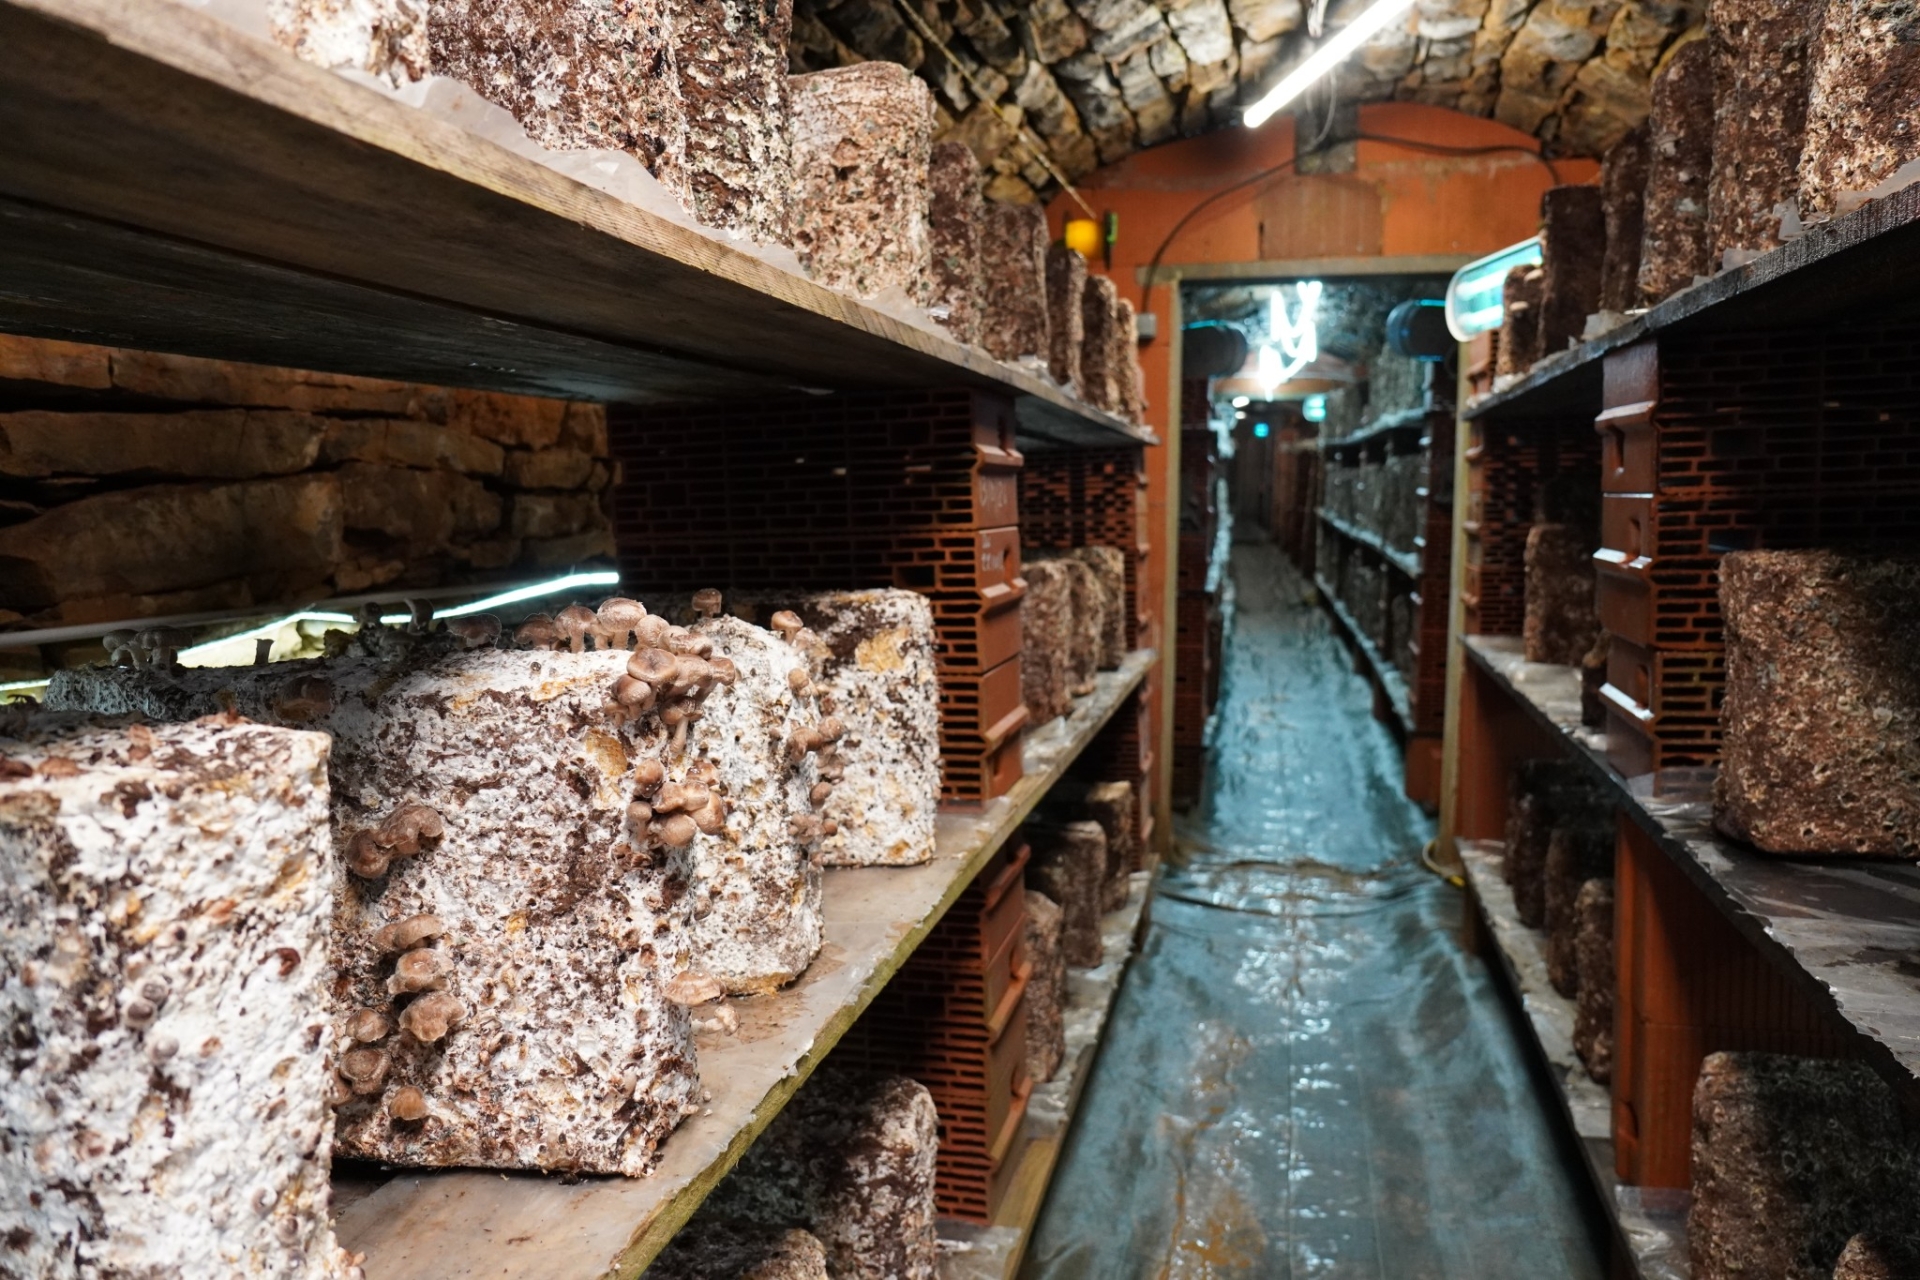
1843	929
1408	565
1867	262
167	182
1649	1227
996	1251
1385	674
447	1224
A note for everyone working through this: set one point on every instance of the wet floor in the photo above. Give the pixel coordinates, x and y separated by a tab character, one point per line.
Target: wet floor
1305	1076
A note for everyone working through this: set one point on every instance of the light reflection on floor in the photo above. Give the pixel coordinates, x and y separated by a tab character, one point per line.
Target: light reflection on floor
1305	1077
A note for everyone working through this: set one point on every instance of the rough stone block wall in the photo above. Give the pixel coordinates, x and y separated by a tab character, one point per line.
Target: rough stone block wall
139	485
862	136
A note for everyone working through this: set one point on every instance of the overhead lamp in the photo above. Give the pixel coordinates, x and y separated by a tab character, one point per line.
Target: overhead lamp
1294	337
1241	402
1314	408
1476	294
1325	58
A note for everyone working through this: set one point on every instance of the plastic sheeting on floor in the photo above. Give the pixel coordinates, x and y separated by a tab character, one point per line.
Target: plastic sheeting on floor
1305	1075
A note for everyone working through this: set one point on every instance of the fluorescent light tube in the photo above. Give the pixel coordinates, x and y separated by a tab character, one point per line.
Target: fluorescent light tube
1325	58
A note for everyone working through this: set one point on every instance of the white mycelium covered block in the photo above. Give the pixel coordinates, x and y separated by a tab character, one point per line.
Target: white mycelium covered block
163	980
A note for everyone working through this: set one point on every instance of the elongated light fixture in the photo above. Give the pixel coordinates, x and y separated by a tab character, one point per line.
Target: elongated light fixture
1325	58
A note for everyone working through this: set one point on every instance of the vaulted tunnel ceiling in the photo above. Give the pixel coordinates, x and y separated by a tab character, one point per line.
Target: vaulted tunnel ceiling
1097	80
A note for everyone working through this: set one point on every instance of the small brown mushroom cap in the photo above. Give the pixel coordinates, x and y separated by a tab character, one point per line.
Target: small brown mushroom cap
632	696
537	632
420	617
656	666
804	827
407	1105
787	623
692	676
725	670
676	830
431	1016
405	935
364	1070
639	814
676	713
832	729
616	619
799	680
821	793
301	699
711	817
705	772
690	990
679	640
421	970
648	775
651	632
407	826
707	601
575	622
681	797
365	858
830	828
475	631
368	1025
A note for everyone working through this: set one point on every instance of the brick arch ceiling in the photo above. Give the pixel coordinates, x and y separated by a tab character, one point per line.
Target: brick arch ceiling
1097	80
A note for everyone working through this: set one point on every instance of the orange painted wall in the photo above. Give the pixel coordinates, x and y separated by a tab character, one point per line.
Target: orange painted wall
1429	203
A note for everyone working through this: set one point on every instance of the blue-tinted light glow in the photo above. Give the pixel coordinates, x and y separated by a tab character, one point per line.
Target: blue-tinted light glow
1314	408
1261	430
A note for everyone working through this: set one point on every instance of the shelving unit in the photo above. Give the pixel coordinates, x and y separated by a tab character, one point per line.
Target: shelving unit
1752	410
1390	685
1650	1231
171	184
1842	929
1408	564
430	1224
995	1251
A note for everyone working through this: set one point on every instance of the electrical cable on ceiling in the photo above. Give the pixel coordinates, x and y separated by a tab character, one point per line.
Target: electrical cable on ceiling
1020	129
1433	148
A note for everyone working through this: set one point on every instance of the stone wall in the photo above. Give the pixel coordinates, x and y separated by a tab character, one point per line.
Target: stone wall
140	485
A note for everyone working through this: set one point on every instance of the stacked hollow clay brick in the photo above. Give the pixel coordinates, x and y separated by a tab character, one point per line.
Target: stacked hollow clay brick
915	490
954	1018
1781	441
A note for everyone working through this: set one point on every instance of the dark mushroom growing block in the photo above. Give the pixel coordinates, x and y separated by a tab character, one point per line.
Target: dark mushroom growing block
712	1250
1623	192
1046	987
1520	341
1821	724
1563	618
871	658
956	214
1543	794
1579	851
1069	865
1863	100
164	976
1066	327
1675	247
1045	642
1013	275
1791	1158
850	1159
1100	380
1593	957
1110	575
1762	59
1085	624
732	60
861	139
1573	231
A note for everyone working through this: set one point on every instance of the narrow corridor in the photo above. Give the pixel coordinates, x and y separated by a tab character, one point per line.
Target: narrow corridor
1305	1075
